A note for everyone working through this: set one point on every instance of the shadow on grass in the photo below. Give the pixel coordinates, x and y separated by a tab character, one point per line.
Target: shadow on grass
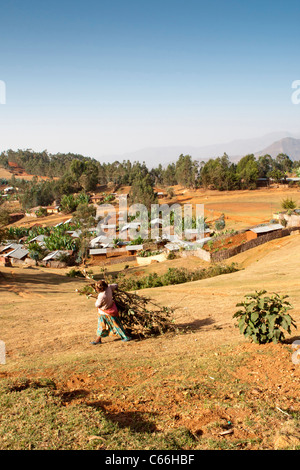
135	420
35	278
195	325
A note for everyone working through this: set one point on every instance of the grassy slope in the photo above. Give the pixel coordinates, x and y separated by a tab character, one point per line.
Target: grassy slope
169	392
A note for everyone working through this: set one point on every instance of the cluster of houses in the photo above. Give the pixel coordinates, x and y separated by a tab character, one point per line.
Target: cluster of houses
104	250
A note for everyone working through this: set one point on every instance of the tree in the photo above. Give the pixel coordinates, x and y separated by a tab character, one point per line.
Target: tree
277	175
169	175
89	178
283	162
142	192
4	217
85	218
68	203
265	163
219	173
247	172
186	171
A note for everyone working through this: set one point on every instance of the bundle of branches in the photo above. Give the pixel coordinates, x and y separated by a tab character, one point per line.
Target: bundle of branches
140	316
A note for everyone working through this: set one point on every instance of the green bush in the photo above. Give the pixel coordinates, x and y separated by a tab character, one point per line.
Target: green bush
174	276
263	318
288	203
74	273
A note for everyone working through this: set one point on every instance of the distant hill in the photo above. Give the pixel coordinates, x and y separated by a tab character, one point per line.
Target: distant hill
288	145
236	149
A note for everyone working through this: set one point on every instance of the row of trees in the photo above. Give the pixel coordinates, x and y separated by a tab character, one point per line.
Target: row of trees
74	173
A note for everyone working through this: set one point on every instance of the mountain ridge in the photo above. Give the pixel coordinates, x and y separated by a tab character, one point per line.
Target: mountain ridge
235	149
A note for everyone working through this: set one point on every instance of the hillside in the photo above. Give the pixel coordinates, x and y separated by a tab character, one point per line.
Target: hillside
171	392
18	172
288	146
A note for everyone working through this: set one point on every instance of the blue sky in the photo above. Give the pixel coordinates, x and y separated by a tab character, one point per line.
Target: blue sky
110	77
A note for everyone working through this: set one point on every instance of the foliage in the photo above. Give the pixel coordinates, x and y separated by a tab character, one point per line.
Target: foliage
147	253
15	233
137	241
74	273
4	217
85	218
220	223
277	175
263	318
56	241
186	171
288	203
41	212
142	192
174	276
36	251
64	257
247	172
219	174
68	203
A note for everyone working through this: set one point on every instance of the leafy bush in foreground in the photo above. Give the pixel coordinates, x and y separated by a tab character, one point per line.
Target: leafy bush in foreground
262	319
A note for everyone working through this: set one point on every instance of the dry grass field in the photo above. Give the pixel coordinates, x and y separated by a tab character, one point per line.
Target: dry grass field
242	209
180	391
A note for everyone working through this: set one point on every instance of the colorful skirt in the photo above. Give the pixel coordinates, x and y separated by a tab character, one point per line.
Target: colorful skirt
108	324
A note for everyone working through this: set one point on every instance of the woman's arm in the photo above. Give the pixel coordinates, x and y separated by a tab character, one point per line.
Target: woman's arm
99	301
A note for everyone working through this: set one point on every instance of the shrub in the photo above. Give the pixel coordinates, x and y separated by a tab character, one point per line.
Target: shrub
263	318
74	273
288	203
174	276
220	224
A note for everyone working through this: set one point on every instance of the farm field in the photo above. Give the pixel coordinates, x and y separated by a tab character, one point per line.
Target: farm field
242	209
171	392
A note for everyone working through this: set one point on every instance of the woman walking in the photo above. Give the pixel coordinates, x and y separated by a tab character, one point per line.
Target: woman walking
108	320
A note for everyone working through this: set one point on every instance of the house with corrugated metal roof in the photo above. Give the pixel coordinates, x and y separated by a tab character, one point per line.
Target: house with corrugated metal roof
57	258
17	256
264	229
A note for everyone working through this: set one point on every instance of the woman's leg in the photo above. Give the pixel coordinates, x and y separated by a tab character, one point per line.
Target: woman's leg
118	328
102	330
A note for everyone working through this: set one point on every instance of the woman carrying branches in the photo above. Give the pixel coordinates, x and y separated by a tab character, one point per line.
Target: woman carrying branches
108	320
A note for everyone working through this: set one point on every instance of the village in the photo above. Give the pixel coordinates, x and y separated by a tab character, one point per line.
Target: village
109	241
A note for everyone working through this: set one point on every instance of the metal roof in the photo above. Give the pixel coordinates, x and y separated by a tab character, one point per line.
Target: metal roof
39	238
131	225
177	244
99	240
18	253
134	247
266	228
55	254
12	246
100	251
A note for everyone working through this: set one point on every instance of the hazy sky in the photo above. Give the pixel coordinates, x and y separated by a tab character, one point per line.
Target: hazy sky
113	76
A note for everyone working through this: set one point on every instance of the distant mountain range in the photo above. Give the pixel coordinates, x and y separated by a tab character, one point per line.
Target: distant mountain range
288	145
272	144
